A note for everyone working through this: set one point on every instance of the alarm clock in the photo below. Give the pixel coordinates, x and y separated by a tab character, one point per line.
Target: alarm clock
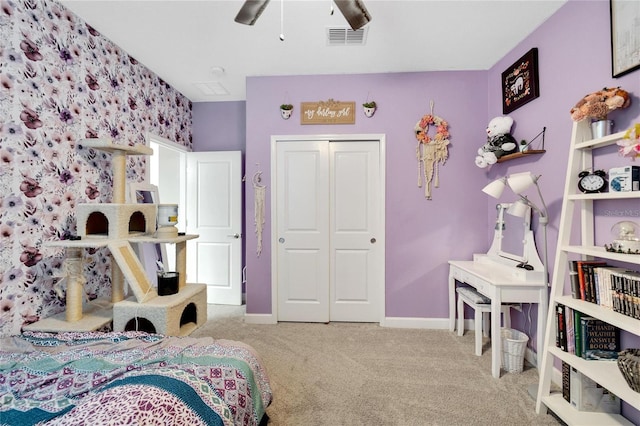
592	182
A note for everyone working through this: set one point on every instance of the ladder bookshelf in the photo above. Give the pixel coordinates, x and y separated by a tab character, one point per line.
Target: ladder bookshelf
605	373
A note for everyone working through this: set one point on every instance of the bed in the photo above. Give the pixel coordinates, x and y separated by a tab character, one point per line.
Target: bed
130	378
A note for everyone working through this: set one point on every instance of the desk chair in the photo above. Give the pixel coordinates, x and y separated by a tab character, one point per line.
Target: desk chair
482	309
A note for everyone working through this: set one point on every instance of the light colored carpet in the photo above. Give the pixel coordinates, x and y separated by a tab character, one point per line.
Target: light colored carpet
363	374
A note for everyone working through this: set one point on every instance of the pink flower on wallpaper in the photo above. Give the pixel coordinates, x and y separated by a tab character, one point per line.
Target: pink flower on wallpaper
30	256
30	50
91	191
91	81
30	118
30	188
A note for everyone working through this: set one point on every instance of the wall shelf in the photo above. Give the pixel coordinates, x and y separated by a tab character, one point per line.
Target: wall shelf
521	154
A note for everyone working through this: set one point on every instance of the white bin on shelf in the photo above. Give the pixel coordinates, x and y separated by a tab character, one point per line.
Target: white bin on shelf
514	343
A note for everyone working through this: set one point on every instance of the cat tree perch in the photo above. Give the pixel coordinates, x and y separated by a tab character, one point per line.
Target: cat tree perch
116	225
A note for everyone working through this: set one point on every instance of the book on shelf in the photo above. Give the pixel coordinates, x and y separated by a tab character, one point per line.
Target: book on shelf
587	395
577	334
583	277
573	278
570	330
599	340
561	334
566	381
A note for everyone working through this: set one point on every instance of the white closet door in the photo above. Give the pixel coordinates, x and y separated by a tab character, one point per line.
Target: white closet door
329	231
356	244
302	208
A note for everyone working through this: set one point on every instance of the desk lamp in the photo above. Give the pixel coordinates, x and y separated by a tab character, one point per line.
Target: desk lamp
520	182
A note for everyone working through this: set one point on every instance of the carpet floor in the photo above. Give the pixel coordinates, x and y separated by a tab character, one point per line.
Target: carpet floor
363	374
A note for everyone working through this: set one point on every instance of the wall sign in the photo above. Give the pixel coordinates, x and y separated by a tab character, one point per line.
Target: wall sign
520	82
327	112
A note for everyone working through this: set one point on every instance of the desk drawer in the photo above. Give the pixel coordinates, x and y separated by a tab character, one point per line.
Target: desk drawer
460	275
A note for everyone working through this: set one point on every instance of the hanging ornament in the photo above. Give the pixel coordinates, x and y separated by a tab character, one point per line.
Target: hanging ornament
259	202
431	150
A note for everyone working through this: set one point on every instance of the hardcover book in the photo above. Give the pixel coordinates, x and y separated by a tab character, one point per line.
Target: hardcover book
566	381
600	340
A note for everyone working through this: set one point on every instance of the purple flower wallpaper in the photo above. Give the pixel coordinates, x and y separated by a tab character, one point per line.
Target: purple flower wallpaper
60	82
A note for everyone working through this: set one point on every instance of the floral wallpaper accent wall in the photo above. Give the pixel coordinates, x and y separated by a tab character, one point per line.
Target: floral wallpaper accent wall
61	81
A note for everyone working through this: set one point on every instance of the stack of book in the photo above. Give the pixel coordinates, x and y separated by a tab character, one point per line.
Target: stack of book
587	337
611	287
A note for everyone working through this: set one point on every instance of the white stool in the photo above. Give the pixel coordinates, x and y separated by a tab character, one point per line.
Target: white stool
482	307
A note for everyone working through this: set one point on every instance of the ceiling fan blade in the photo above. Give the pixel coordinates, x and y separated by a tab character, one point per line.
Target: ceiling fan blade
251	11
354	12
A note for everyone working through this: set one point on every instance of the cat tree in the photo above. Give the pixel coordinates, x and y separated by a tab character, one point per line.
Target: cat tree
115	226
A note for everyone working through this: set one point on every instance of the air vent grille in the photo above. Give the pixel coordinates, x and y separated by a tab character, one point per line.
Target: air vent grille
211	88
344	36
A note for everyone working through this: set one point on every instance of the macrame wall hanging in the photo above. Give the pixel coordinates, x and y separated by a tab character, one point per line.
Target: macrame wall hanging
259	191
431	150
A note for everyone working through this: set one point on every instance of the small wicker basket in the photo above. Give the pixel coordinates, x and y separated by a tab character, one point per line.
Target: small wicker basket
629	365
514	343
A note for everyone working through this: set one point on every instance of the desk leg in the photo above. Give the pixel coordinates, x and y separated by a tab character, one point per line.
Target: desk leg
542	324
452	303
496	337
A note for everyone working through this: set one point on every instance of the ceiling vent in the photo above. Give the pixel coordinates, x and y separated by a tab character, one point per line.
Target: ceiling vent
345	36
211	88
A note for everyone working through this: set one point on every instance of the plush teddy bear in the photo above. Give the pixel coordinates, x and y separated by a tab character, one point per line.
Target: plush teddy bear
499	142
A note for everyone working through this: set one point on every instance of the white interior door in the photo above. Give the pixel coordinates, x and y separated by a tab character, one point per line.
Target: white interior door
214	213
303	226
356	252
329	230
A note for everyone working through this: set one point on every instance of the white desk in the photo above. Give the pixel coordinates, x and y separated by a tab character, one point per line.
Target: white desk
500	283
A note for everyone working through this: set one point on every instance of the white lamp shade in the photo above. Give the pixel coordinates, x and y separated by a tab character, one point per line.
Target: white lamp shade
495	188
519	208
519	182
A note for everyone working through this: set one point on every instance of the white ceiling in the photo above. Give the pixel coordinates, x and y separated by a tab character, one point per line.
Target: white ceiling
184	41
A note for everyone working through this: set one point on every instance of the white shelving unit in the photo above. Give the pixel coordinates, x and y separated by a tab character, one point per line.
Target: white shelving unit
605	373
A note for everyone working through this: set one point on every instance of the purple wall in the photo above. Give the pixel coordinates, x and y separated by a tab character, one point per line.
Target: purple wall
221	126
421	235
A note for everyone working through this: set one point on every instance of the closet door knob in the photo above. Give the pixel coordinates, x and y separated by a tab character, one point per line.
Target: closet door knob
236	235
373	241
281	240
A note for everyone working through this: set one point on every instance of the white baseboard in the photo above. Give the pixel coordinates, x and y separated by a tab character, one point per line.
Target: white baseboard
260	319
427	323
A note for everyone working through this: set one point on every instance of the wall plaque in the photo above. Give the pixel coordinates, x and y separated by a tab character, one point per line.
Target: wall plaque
327	112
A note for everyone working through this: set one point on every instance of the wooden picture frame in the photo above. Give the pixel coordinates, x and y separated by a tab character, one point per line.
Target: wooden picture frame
520	82
625	41
151	255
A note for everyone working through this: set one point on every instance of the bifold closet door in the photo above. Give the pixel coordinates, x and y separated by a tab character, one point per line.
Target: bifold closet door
303	228
356	255
329	260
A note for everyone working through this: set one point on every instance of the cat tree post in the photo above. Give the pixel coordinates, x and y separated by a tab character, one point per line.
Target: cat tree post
75	288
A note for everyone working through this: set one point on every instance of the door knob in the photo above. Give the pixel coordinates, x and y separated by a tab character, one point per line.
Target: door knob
236	235
281	240
373	241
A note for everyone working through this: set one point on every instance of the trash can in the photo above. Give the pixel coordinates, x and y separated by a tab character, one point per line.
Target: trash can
514	343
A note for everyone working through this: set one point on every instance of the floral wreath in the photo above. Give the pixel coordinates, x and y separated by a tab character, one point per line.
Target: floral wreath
422	128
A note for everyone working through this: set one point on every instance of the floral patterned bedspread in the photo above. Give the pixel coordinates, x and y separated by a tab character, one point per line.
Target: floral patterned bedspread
129	378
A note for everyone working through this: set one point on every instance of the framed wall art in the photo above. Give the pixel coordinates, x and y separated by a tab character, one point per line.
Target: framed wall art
625	37
520	82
